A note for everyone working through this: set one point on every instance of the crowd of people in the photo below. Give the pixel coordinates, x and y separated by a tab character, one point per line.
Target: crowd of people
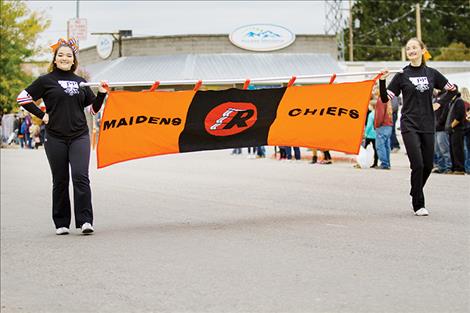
20	129
452	145
285	153
452	132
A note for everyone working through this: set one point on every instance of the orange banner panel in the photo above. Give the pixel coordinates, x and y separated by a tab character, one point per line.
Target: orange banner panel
141	124
329	117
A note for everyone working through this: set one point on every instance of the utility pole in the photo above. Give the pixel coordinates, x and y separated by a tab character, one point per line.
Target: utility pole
78	8
334	24
418	21
351	53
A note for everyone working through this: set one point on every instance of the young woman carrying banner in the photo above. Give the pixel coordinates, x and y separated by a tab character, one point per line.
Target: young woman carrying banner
417	120
67	141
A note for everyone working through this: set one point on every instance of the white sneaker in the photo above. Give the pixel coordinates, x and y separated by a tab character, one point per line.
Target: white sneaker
62	231
87	228
422	212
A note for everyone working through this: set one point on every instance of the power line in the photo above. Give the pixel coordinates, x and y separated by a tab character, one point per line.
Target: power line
400	47
386	25
445	12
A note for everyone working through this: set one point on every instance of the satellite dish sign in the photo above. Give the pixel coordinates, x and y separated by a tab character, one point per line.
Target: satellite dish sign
262	37
104	47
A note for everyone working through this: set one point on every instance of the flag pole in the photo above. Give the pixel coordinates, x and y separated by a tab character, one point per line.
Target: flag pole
280	79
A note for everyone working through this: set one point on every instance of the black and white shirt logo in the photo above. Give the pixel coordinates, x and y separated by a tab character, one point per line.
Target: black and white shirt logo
421	83
70	87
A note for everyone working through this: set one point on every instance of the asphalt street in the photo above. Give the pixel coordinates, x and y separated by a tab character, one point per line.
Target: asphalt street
212	232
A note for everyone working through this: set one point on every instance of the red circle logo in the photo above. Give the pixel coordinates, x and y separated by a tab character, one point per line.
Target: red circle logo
230	118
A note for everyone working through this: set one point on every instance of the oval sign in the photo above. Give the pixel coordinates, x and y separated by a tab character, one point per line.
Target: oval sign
230	118
262	37
104	47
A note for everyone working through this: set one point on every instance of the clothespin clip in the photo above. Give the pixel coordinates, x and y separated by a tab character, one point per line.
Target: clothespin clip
198	85
154	86
247	83
291	81
378	76
332	79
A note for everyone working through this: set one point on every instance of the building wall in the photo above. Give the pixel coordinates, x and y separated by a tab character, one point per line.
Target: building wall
184	44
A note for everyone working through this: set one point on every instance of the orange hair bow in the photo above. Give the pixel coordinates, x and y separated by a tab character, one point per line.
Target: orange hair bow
72	43
427	55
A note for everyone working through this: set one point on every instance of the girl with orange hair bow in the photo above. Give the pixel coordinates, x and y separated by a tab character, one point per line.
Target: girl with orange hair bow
417	123
67	141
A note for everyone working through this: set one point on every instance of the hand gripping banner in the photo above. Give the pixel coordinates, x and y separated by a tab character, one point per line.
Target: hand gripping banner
142	124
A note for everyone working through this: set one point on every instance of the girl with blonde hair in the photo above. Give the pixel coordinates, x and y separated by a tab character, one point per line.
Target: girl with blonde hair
417	124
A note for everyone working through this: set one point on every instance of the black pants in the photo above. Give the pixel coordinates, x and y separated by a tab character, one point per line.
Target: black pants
376	157
326	155
61	154
393	140
457	152
420	151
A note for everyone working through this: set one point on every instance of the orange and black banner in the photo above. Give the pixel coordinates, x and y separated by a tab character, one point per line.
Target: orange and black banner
142	124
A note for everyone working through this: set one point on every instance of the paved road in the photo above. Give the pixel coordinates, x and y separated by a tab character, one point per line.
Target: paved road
210	232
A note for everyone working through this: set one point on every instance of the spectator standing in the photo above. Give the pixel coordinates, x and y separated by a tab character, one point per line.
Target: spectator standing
466	99
442	143
261	152
383	124
370	135
455	125
282	153
296	153
28	139
35	135
394	144
22	133
250	150
326	157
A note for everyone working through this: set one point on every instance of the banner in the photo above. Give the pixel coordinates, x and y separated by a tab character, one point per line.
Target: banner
142	124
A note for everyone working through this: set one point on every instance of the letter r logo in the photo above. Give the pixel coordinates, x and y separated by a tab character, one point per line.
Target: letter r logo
230	118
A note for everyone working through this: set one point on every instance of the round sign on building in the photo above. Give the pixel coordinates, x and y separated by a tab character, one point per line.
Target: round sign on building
104	47
262	37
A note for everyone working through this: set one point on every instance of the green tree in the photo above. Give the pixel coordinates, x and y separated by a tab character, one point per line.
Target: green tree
18	33
456	51
385	26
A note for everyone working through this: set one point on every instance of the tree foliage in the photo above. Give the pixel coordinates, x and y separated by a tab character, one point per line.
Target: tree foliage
385	26
18	33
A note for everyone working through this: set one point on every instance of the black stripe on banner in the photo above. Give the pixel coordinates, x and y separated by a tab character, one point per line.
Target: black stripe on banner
229	118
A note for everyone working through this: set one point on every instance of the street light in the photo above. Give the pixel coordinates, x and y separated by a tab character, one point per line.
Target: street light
118	36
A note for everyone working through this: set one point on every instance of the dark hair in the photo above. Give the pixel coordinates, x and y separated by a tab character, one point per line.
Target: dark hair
422	45
53	66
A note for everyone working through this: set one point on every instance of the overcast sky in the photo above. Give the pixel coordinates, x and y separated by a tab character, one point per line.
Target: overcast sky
147	18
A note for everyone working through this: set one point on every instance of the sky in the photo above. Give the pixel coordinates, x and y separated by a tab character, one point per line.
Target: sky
154	18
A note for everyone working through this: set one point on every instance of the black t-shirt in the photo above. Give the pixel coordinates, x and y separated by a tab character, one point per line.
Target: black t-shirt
417	84
64	101
458	113
441	117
